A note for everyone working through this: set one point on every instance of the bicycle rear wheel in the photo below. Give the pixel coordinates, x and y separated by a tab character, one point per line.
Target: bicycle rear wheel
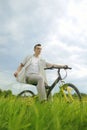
26	93
70	92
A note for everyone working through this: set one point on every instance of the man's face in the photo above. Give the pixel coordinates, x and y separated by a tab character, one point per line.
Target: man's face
38	50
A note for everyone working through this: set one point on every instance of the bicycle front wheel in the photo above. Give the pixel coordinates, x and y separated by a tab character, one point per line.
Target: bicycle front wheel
70	92
26	93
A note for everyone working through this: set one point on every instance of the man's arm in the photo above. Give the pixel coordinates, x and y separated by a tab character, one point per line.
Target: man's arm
18	70
60	66
55	65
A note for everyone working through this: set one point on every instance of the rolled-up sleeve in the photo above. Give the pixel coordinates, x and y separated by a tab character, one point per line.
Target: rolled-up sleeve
25	60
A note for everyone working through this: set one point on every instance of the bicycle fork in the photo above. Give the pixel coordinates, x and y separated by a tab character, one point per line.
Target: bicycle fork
66	92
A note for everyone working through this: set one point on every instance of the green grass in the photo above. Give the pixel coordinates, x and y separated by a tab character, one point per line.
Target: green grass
29	114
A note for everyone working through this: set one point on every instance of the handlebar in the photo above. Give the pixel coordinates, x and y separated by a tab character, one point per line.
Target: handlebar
59	74
58	68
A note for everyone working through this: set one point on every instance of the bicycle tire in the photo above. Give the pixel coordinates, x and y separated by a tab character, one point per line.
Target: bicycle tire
74	93
26	93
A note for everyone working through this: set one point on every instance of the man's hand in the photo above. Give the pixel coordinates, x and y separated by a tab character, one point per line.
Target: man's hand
16	74
65	66
18	70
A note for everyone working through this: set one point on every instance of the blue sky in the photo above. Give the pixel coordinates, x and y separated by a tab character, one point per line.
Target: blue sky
59	25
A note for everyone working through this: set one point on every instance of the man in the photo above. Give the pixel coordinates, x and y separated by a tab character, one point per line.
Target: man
34	71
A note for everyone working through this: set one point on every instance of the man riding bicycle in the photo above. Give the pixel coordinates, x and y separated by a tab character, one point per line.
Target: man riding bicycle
34	71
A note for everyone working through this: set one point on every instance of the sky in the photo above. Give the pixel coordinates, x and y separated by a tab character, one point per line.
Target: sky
59	25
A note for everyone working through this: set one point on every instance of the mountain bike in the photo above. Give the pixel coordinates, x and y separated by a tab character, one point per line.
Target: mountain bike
67	90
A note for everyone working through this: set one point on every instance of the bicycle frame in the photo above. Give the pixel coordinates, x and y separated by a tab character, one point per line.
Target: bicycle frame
55	82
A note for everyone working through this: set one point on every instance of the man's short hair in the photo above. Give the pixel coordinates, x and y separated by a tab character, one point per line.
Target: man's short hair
37	45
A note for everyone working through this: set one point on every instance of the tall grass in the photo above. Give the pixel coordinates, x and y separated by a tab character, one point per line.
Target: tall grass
28	114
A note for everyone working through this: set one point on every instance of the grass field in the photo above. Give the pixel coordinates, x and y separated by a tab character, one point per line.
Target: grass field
30	114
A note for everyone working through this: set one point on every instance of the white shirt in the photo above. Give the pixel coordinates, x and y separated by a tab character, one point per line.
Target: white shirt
34	66
41	65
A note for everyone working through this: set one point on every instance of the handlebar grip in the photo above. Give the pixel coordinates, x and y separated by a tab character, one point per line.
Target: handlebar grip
48	68
69	68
